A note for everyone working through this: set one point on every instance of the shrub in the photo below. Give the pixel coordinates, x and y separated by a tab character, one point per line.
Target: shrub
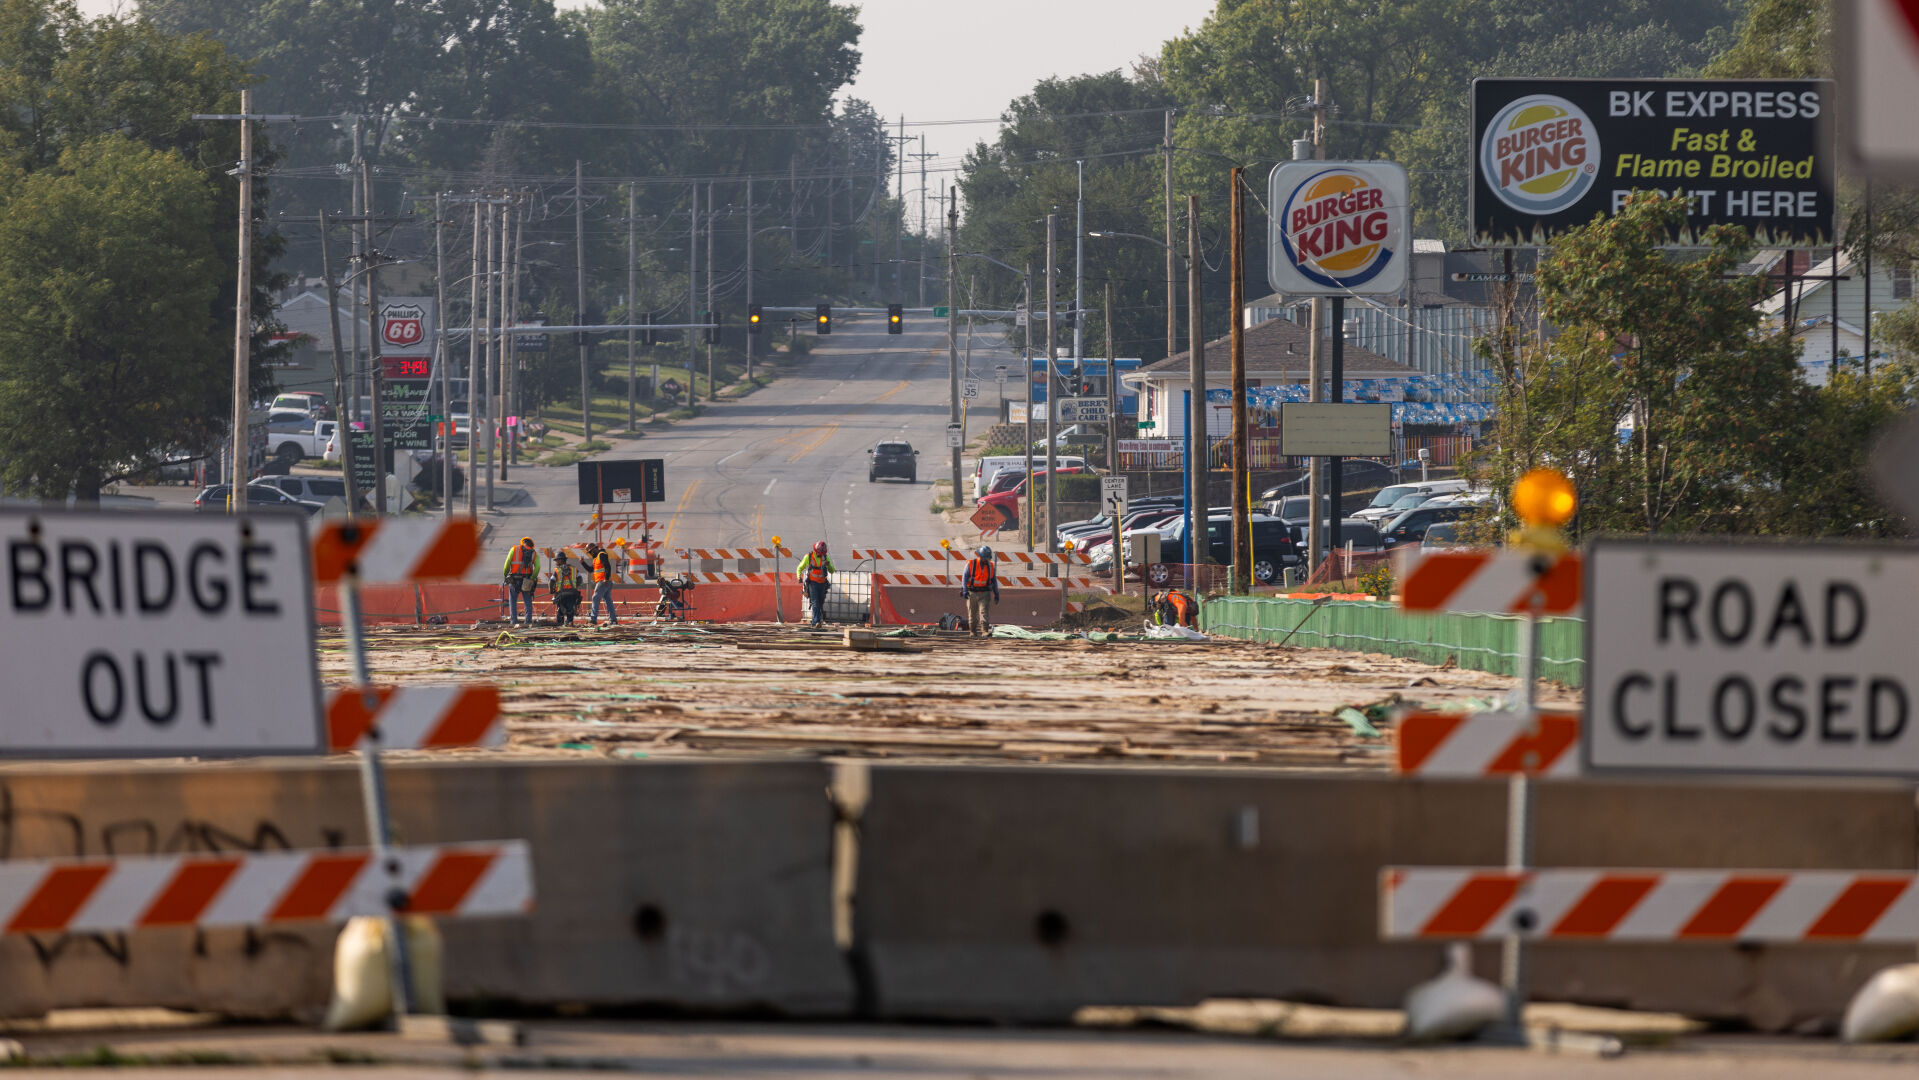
1378	581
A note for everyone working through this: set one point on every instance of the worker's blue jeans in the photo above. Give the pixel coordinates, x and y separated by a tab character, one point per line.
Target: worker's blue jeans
816	596
514	596
603	594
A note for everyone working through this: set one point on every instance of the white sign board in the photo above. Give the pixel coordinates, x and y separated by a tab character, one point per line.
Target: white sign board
1323	429
1082	410
999	373
1877	60
1112	494
955	436
1751	658
157	634
969	389
1338	228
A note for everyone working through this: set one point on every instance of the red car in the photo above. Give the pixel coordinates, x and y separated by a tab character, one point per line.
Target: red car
1007	502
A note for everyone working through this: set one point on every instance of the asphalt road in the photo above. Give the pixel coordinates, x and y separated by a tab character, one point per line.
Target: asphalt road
787	461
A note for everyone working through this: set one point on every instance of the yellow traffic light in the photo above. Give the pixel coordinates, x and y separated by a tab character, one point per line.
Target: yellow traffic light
822	318
1544	498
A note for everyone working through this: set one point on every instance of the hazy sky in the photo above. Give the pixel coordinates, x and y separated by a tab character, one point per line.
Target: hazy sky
965	61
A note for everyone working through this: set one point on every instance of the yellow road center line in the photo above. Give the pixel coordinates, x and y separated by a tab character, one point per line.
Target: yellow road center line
672	523
903	385
825	434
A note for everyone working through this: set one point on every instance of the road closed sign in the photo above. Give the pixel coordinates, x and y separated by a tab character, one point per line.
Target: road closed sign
1751	658
156	635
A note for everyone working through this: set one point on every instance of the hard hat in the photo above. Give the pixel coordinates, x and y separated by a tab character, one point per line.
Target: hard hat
527	540
819	547
984	552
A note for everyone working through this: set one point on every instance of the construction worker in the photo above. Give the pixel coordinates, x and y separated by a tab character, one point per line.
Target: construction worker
602	564
564	585
812	573
982	574
522	573
1175	608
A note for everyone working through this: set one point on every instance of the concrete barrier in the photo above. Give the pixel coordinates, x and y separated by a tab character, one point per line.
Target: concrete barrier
687	884
1012	893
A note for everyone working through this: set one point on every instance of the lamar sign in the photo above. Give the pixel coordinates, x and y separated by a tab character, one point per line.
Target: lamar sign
1751	658
156	635
1550	154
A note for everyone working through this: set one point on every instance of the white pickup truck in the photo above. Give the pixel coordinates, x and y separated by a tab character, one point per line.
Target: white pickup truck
290	440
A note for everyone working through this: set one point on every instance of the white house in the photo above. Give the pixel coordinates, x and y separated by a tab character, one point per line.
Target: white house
309	361
1809	302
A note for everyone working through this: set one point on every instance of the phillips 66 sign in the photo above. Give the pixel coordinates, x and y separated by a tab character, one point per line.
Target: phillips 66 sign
1338	228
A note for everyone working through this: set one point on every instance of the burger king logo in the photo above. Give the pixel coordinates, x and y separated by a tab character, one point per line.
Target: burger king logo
1540	154
1340	229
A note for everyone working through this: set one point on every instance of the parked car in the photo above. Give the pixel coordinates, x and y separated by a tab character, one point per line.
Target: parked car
996	474
895	459
1393	497
1410	527
1356	474
291	442
315	489
1008	500
1273	546
311	402
260	496
1070	431
1444	536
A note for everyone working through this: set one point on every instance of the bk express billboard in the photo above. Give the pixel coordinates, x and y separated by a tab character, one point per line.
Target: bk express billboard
1549	154
1338	228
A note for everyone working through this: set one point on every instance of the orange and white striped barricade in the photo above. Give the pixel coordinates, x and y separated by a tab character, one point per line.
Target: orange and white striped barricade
262	888
1591	905
751	560
1503	581
1496	742
395	549
415	717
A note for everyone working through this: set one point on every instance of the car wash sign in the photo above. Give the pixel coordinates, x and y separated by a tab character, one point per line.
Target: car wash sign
156	634
1549	154
1338	228
1752	658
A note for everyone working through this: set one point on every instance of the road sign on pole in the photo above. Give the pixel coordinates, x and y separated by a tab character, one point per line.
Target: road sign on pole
955	436
999	373
1112	494
1751	658
970	389
157	635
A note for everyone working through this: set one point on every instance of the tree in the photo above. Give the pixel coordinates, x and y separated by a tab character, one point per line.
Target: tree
1661	396
110	275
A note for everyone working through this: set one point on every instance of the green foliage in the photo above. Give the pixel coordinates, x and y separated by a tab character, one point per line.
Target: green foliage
108	265
1378	581
1075	487
1780	39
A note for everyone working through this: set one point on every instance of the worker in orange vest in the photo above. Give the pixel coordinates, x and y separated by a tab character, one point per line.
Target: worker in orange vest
522	572
812	572
981	579
602	563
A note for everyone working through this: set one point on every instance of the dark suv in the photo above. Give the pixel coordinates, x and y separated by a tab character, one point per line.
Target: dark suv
893	459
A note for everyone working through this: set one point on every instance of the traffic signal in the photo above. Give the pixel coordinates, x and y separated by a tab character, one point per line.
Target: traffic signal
1066	318
752	318
895	318
823	319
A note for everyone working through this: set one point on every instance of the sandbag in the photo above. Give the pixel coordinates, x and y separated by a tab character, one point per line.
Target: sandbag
1454	1005
1886	1008
362	991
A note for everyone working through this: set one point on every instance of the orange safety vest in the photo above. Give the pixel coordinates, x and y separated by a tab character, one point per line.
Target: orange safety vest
980	572
568	579
522	559
1182	608
815	569
602	565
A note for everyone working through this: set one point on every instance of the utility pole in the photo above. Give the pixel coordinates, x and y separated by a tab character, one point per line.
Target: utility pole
485	331
473	399
692	289
1052	386
1197	509
952	336
439	359
1242	477
579	293
1112	397
899	207
925	233
750	336
1172	271
1026	403
712	391
500	322
1079	275
382	454
632	303
354	231
1315	372
342	426
511	342
243	319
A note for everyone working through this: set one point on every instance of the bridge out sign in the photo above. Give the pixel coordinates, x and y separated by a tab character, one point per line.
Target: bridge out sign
1549	154
156	635
1751	658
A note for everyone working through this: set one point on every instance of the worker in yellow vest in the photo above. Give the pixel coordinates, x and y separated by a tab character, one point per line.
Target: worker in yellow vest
522	572
980	581
564	584
812	572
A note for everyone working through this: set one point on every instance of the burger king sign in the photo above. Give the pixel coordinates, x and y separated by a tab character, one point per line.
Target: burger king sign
1338	227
